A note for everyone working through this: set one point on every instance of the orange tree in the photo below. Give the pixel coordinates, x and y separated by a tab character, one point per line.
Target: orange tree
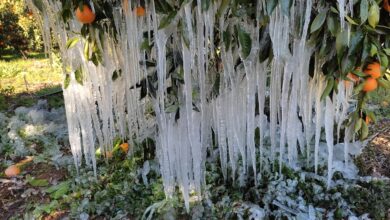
360	55
18	29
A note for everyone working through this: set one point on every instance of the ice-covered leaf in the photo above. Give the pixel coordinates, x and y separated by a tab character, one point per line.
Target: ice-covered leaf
79	75
72	42
66	81
245	43
271	5
167	20
285	5
363	11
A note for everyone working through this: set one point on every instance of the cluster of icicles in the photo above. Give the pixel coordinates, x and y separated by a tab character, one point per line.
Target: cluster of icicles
102	109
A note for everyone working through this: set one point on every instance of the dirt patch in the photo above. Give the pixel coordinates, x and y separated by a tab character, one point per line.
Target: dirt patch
375	158
16	194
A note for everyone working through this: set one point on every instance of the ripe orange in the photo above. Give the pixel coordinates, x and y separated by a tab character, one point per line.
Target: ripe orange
370	84
386	5
12	171
368	120
373	70
124	147
140	11
85	16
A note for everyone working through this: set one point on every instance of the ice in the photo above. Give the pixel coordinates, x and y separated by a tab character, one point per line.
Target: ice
329	121
342	4
290	115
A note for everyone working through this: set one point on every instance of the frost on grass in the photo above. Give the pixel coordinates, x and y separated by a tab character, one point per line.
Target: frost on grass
35	130
279	127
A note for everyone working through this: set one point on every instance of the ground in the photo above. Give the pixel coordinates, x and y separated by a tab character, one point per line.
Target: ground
32	123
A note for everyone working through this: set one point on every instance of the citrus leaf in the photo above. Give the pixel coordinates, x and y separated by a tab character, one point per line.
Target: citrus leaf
384	60
72	42
245	43
328	89
333	25
66	81
364	133
363	11
79	76
373	14
341	43
384	83
171	108
358	125
285	5
271	5
318	21
350	20
166	21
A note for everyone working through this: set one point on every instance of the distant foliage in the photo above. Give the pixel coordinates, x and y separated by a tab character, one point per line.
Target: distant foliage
18	29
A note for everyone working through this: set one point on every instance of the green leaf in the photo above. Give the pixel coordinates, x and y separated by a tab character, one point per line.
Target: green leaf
66	81
350	20
364	133
341	43
328	89
355	42
383	60
54	188
384	83
79	76
86	50
271	5
36	182
358	125
387	51
366	48
227	38
285	5
363	11
245	43
373	14
72	42
333	25
166	21
318	21
373	50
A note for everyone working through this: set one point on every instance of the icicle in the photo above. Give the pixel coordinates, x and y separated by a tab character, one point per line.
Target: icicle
318	121
328	121
342	13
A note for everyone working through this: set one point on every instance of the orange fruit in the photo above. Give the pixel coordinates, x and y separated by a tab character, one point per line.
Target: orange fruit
373	70
12	171
386	5
370	84
85	16
368	120
140	11
124	147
